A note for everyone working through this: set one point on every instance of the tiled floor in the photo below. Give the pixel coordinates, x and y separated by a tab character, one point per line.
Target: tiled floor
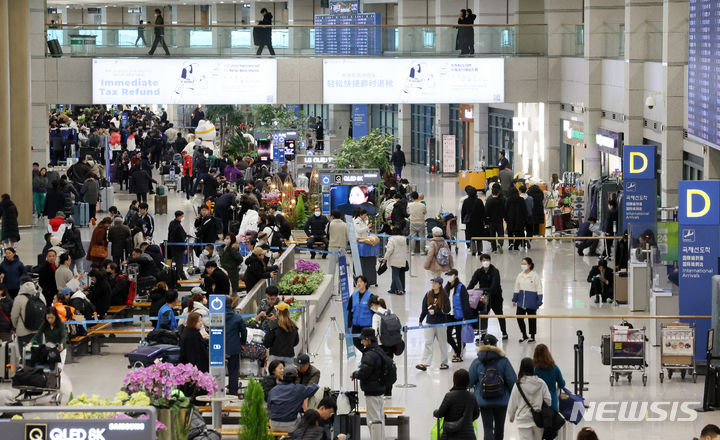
563	275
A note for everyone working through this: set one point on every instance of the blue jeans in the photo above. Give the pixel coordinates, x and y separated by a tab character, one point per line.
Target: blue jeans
396	285
398	171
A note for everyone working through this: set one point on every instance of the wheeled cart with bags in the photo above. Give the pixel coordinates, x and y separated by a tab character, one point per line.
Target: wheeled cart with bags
627	353
677	350
35	381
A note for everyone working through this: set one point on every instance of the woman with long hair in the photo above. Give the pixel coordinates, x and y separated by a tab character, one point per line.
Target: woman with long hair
435	308
535	392
197	304
459	406
546	370
52	331
528	297
281	340
98	248
276	370
193	346
157	298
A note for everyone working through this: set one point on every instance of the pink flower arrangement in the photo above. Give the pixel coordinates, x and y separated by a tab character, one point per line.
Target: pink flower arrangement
306	266
160	381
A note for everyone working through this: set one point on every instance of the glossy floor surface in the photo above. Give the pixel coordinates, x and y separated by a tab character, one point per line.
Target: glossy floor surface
563	274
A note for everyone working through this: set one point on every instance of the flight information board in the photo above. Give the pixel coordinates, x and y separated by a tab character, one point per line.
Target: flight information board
704	72
348	40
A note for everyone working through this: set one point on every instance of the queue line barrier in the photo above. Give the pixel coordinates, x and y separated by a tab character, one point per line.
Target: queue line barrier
342	337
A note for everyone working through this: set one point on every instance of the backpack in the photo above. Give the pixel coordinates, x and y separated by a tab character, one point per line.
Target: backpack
390	330
443	255
492	383
34	313
276	241
388	371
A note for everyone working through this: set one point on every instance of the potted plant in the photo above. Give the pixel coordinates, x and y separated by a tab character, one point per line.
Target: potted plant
171	389
253	414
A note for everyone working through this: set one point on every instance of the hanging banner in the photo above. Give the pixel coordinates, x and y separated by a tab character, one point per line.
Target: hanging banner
359	120
639	205
699	251
345	296
448	153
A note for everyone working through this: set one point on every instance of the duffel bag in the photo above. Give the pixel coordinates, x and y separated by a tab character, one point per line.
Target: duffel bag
162	336
30	377
254	351
572	407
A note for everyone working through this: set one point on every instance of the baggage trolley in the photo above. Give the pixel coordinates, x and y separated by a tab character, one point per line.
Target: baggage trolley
31	394
627	352
677	350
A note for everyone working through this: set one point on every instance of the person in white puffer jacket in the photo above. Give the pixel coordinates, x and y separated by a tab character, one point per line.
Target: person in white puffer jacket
396	255
528	297
536	392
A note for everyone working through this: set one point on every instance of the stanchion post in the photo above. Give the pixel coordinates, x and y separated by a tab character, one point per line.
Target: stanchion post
341	357
405	362
306	333
574	257
142	328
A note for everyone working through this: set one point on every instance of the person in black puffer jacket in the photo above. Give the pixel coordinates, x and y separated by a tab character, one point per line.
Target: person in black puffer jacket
256	269
472	215
495	214
6	303
157	298
538	210
100	292
459	404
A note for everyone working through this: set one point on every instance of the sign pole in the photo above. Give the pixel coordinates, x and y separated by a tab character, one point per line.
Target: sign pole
217	354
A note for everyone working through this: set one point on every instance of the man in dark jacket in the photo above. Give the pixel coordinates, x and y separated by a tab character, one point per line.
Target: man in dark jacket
263	35
398	161
472	214
235	338
47	277
120	238
147	222
218	279
146	264
516	216
159	31
307	373
223	205
177	234
487	278
316	230
319	134
586	229
206	226
611	224
460	310
399	214
119	285
369	374
495	214
601	282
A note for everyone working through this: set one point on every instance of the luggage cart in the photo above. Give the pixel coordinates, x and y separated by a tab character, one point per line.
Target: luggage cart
628	352
31	394
677	350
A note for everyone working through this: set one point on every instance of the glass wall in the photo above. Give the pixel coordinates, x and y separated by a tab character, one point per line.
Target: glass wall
501	136
384	117
422	131
313	110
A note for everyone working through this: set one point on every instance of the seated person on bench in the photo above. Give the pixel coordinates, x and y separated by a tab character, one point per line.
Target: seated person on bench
119	284
316	230
166	315
146	264
601	282
52	331
287	400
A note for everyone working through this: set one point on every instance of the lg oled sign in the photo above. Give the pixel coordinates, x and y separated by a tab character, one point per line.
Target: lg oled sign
407	81
185	81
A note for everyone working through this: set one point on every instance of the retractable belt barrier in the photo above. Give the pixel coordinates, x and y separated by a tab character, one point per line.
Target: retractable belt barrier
151	318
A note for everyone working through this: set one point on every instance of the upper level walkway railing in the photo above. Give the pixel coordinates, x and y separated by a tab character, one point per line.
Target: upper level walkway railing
301	40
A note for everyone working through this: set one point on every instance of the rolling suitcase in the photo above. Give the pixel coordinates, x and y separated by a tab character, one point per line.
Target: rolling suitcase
160	204
113	170
54	48
9	359
606	349
81	213
107	198
146	355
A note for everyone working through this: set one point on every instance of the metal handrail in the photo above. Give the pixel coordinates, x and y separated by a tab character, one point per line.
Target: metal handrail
282	26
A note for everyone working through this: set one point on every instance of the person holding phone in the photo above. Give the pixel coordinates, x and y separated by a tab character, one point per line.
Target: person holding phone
435	310
601	282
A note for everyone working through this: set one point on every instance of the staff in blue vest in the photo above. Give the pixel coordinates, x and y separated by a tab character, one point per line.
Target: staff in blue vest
359	313
459	310
166	315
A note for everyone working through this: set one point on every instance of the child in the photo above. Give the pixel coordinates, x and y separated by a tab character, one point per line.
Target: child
422	199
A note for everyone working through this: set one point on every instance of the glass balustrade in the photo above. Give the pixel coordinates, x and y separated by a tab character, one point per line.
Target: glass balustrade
289	41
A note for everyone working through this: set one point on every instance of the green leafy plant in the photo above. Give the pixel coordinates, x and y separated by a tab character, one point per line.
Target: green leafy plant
368	152
237	146
300	214
300	283
253	414
232	115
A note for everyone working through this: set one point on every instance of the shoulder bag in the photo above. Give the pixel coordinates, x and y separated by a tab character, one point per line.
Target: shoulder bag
547	418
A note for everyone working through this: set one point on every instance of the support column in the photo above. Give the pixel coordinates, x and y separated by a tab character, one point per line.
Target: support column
19	28
560	16
412	12
479	150
597	14
675	57
40	98
442	126
300	12
5	127
404	130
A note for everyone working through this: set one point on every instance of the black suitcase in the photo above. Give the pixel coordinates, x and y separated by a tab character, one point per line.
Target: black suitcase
54	48
606	349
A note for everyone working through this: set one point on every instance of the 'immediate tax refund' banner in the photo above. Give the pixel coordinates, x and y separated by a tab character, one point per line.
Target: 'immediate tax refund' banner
185	81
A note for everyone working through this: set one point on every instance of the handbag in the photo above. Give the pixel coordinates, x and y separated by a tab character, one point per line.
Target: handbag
547	418
441	426
407	266
572	406
467	334
382	268
99	252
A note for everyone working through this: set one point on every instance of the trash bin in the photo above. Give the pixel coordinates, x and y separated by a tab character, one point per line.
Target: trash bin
82	45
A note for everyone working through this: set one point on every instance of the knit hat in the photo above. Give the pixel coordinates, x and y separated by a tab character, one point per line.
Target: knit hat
368	333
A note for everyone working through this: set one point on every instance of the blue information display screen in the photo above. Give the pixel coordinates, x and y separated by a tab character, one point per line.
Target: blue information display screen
704	71
348	40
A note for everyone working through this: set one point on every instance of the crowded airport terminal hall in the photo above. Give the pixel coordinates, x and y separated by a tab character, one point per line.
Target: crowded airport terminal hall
360	220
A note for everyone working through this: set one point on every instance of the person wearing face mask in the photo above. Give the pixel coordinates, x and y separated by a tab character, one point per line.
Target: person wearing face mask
435	307
208	254
362	227
316	230
459	310
177	234
256	268
528	297
230	260
487	278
